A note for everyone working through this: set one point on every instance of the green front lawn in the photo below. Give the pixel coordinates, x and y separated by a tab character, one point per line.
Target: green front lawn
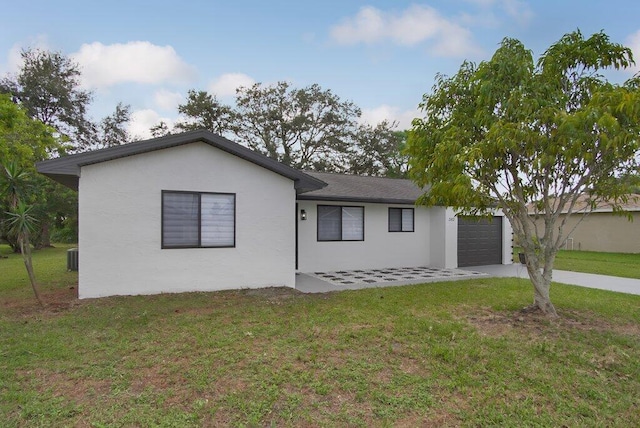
441	354
614	264
50	266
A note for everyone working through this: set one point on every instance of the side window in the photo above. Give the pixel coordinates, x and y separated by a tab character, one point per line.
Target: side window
401	219
198	220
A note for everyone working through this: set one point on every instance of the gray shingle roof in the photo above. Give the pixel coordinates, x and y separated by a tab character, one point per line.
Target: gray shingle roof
66	170
354	188
309	185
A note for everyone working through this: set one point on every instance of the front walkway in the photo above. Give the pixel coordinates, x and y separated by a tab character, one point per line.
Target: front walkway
322	282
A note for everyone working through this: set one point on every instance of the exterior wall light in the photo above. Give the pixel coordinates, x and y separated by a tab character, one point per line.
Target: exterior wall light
303	215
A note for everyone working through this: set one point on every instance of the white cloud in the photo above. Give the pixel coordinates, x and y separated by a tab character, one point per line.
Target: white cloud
456	43
368	26
14	56
226	84
14	60
518	10
167	100
392	114
412	26
138	62
483	19
633	41
143	120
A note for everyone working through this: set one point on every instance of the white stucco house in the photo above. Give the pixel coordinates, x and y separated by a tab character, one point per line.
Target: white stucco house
197	212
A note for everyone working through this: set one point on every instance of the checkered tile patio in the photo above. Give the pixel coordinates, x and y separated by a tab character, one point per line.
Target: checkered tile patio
380	276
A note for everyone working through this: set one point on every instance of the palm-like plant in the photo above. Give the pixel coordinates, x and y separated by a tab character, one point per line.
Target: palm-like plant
22	224
13	185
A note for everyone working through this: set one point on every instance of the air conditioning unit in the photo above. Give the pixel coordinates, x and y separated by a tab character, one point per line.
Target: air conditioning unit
72	259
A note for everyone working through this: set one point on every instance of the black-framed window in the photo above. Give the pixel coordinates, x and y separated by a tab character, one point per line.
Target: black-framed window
401	219
198	219
340	223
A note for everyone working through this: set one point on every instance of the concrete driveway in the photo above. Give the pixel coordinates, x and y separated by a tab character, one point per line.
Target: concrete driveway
590	280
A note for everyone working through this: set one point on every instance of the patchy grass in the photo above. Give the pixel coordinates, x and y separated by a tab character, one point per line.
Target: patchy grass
440	354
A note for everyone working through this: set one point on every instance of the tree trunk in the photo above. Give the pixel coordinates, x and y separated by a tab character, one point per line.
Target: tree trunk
45	236
26	256
13	243
541	285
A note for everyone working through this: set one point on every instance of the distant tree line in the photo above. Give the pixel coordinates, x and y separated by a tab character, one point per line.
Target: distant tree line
307	128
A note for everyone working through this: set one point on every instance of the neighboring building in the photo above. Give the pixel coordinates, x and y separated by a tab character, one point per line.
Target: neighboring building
197	212
601	229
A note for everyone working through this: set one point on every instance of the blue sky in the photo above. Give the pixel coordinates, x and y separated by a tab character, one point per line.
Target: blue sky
383	55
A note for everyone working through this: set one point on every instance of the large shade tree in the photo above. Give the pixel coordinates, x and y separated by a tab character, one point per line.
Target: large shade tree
379	151
204	111
48	86
112	129
307	128
533	139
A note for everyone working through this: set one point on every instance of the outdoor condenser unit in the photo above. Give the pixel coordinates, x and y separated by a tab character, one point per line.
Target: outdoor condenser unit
72	259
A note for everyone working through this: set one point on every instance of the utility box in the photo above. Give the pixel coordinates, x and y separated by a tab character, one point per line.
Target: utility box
522	258
72	259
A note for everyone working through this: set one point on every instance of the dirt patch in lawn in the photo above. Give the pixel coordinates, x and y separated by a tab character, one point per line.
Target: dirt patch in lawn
493	323
61	299
73	388
55	300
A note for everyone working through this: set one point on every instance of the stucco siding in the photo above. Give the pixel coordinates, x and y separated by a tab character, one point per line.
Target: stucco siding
379	249
120	225
507	240
444	237
602	231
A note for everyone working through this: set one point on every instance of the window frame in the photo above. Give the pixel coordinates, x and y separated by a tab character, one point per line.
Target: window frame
199	195
341	207
402	209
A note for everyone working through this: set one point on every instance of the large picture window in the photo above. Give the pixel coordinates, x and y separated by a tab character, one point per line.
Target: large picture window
337	223
196	219
401	219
